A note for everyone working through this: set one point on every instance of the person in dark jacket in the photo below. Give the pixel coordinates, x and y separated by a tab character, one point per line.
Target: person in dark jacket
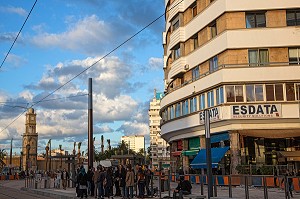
109	182
82	181
89	180
123	180
117	182
184	187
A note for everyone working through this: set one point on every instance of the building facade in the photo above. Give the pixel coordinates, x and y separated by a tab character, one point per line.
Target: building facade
30	142
241	61
159	148
135	142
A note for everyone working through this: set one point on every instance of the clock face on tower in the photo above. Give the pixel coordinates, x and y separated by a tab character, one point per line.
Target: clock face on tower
32	118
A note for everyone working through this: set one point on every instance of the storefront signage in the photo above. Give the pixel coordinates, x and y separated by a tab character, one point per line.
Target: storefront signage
256	111
214	114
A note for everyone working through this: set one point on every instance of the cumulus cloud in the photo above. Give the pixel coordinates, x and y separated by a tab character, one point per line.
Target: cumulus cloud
155	63
134	128
14	10
15	60
89	34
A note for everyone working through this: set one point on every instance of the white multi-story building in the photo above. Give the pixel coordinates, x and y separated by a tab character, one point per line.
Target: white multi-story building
241	61
159	148
135	142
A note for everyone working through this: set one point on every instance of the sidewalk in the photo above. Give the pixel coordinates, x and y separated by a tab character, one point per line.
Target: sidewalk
237	192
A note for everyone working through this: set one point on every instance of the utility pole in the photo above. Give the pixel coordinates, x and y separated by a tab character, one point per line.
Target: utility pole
208	153
90	126
10	154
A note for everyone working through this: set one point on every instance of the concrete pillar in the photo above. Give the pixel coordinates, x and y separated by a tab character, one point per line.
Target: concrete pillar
202	142
235	150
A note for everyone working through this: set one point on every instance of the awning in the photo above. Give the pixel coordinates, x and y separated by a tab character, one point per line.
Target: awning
194	143
176	153
214	138
217	154
190	152
291	155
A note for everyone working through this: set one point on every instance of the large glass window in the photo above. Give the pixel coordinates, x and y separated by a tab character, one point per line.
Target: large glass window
175	23
213	29
178	110
274	92
172	112
293	17
176	51
193	104
290	92
255	20
230	94
195	73
213	64
258	57
185	107
220	95
294	55
254	93
202	101
239	96
210	99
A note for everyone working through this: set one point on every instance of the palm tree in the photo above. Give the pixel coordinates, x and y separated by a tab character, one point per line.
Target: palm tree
2	154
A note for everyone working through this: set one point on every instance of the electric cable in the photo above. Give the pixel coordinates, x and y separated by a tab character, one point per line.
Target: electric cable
106	55
18	34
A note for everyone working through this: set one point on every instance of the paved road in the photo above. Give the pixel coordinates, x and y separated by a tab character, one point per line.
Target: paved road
15	193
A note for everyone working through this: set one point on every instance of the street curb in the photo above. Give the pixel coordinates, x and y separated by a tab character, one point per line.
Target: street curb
48	193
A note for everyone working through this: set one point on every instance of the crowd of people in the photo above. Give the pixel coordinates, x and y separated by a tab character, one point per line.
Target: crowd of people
108	182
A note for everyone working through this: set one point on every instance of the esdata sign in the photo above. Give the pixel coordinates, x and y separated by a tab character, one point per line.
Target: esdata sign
248	111
214	114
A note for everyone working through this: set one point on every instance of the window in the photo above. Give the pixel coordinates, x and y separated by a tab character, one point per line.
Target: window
220	95
255	20
293	17
178	110
213	64
193	104
202	101
290	92
210	99
234	93
274	92
172	115
254	93
185	107
294	55
195	41
195	73
176	52
213	29
175	23
194	10
258	57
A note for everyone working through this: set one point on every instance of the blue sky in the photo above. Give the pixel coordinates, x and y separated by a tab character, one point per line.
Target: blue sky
62	38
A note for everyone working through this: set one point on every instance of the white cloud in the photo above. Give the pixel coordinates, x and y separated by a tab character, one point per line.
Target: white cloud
16	60
155	63
87	35
27	95
134	128
14	10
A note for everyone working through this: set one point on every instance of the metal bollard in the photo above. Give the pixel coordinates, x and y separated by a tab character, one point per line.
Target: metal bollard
230	186
201	184
215	186
265	187
246	188
169	184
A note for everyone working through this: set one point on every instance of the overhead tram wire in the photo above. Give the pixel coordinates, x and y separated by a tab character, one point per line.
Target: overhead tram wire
106	55
25	109
18	34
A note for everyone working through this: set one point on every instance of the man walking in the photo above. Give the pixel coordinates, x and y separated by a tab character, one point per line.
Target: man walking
64	176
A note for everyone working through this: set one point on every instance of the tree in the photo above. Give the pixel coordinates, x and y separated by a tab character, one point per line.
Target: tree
2	154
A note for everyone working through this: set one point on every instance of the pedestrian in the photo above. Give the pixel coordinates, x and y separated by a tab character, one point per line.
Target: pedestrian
184	187
100	182
148	176
109	182
89	180
129	182
123	180
65	177
288	183
141	182
95	178
82	181
117	181
92	182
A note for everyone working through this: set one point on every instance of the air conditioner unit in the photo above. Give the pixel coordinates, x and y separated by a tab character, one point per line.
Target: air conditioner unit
186	67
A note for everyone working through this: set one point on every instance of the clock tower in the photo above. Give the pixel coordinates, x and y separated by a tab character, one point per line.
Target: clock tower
30	140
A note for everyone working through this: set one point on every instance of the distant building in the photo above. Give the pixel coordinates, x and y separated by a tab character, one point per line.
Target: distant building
135	142
30	140
159	148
